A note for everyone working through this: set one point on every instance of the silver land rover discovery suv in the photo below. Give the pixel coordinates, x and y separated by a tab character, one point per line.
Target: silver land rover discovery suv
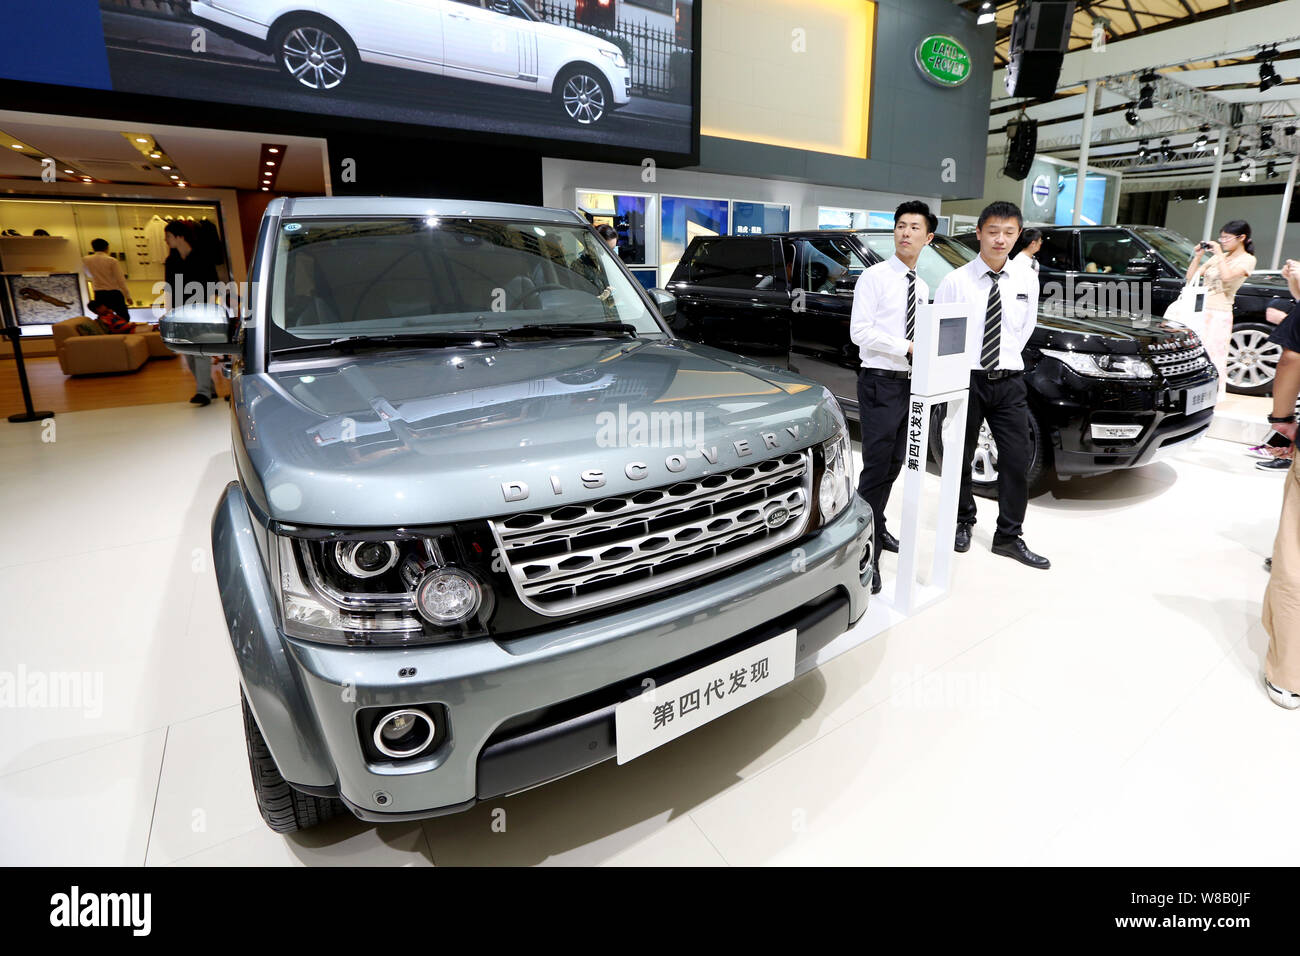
488	507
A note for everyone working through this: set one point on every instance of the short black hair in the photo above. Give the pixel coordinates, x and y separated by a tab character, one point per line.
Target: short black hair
1030	236
99	245
606	231
94	304
1000	210
915	207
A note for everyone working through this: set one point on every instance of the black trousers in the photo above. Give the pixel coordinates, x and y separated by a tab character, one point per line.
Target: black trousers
115	300
882	413
1003	404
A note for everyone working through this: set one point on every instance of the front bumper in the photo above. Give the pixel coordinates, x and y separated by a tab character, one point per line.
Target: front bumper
520	711
1069	406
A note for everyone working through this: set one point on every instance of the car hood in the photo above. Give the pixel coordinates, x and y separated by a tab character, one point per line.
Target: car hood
424	436
1104	333
563	34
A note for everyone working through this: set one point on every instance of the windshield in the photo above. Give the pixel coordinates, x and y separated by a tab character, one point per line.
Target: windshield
338	278
934	263
1175	249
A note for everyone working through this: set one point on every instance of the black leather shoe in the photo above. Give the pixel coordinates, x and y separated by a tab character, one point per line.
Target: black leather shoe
888	542
1016	549
962	543
875	581
200	400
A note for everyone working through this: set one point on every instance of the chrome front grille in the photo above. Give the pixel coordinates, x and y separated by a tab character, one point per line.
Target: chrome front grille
1180	363
576	557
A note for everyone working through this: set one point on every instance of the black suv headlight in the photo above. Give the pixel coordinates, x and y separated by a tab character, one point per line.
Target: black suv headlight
368	589
1103	365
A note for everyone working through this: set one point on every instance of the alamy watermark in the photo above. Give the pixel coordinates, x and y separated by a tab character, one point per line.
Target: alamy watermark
658	429
64	690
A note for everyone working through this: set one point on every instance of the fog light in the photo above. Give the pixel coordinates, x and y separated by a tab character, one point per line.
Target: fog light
448	596
404	733
1115	432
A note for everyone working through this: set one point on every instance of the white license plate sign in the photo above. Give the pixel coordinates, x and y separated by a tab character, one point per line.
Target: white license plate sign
664	713
1201	398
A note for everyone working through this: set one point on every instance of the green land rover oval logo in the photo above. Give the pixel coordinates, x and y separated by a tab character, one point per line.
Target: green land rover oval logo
943	60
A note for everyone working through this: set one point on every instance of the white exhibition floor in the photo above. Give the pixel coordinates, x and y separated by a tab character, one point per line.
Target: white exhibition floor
1108	711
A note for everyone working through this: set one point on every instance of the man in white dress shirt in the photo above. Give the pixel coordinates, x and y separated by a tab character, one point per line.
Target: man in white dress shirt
1003	298
883	325
1031	240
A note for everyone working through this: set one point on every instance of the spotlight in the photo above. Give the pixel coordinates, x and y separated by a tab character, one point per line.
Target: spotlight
1200	200
1178	197
1146	97
1131	114
1270	172
1143	151
987	14
1268	77
1266	138
1289	130
1247	172
1204	139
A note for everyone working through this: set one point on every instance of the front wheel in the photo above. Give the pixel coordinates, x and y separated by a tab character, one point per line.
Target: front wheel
984	457
1252	359
284	809
584	96
315	54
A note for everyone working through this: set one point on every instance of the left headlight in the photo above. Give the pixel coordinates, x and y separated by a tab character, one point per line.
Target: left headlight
616	56
837	476
1103	365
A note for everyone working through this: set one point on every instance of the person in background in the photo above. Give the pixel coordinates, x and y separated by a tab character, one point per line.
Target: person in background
1031	240
882	326
1004	302
1287	337
106	276
1231	260
190	278
1278	308
1281	615
111	320
609	234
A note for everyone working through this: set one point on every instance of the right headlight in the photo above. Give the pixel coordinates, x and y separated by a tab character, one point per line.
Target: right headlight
364	591
836	487
1103	364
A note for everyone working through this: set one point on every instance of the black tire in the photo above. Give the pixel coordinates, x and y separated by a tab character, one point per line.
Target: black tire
284	809
583	96
1252	361
1040	457
296	38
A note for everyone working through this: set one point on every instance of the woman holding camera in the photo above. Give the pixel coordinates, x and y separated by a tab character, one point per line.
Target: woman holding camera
1231	260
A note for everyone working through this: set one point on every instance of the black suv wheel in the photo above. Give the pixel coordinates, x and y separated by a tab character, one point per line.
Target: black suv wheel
284	809
1252	359
984	459
314	53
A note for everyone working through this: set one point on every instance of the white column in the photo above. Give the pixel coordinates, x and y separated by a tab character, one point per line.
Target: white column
1081	180
1286	208
1208	231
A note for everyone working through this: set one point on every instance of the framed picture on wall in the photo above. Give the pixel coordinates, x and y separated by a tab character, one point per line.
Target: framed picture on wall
45	298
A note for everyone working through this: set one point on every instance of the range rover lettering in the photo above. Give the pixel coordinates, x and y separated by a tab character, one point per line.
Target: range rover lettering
1106	391
442	585
320	44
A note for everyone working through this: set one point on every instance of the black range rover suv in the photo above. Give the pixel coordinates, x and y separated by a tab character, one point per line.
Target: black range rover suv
1125	257
1106	391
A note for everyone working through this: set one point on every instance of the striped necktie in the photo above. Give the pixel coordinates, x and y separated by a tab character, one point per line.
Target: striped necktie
911	304
992	349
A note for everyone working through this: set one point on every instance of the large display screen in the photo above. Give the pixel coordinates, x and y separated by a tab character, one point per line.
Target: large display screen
612	72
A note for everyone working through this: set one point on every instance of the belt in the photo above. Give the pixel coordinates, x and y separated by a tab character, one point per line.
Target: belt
997	373
886	373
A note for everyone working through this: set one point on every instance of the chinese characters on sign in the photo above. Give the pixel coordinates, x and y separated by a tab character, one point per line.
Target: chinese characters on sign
712	693
914	437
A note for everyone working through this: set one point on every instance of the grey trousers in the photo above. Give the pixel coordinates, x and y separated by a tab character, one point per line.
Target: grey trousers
201	366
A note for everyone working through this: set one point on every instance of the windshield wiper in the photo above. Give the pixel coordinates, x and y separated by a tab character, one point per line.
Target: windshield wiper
574	328
352	343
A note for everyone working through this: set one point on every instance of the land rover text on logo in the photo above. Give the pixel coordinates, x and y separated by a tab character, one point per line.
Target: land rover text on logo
640	470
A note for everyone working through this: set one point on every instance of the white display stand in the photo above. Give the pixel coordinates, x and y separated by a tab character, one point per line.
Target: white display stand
946	347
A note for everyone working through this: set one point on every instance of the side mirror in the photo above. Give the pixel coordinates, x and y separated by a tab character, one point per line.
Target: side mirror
1142	266
846	284
665	301
201	328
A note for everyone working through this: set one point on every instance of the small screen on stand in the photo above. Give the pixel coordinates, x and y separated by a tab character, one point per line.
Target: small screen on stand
952	335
